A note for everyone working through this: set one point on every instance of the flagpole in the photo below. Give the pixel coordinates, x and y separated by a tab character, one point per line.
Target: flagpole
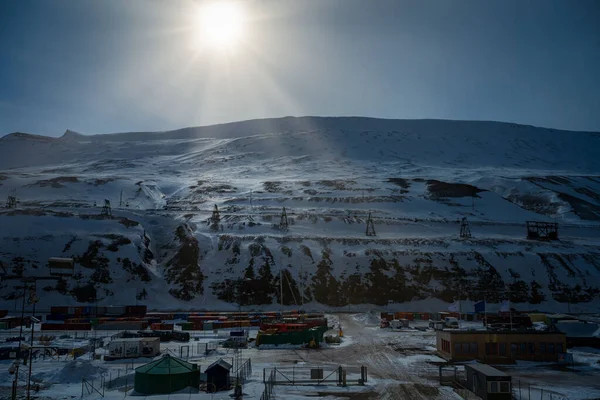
485	313
459	311
510	311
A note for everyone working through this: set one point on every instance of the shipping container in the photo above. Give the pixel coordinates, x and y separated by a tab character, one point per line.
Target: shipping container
59	310
133	348
198	325
66	327
56	317
136	310
115	310
186	326
121	326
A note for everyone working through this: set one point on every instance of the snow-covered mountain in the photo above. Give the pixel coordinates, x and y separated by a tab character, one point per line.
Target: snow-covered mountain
417	178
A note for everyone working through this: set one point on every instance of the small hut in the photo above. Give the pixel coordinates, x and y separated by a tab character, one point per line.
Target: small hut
487	382
166	375
217	376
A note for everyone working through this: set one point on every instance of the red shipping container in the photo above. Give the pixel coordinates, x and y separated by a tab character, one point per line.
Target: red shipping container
57	310
198	325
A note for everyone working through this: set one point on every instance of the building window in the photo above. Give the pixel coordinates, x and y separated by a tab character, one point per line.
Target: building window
522	348
502	349
505	387
531	348
473	348
543	348
491	349
456	348
445	346
514	349
559	347
465	348
550	348
493	387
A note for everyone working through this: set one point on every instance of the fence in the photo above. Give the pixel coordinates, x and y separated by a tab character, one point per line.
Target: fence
244	371
520	390
122	379
318	375
89	387
269	386
524	391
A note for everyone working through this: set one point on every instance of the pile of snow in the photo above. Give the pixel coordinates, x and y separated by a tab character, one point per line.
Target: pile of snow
370	318
540	326
72	372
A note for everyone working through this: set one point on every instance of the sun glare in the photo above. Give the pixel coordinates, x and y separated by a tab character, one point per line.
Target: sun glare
220	24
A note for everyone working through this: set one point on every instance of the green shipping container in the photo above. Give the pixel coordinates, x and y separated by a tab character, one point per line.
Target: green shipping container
417	316
295	338
207	326
3	325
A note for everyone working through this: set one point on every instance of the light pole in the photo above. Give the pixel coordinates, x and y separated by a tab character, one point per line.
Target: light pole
34	321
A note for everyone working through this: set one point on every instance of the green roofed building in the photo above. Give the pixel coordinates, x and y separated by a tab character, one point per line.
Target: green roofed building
166	375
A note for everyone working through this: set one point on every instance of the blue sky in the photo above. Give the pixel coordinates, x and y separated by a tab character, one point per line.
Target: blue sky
114	66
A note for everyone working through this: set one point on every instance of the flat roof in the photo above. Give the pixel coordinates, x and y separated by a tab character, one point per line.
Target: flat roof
487	370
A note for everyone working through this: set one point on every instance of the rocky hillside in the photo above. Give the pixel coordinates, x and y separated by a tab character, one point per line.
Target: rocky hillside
164	246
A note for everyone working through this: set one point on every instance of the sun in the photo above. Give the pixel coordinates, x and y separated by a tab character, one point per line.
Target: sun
220	24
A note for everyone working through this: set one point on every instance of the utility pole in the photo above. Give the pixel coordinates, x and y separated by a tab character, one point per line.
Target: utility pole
465	231
301	285
121	199
106	209
370	231
283	221
11	201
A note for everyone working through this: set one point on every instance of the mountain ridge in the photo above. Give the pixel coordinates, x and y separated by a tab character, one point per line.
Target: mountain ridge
262	122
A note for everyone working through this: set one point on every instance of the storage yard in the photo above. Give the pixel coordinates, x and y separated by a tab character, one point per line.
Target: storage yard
274	356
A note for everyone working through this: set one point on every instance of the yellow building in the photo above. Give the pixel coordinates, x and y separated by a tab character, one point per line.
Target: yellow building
500	347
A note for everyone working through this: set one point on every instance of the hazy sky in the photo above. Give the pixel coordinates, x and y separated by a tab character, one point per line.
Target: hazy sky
114	65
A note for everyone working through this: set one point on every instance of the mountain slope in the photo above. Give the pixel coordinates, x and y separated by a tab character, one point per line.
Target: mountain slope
417	178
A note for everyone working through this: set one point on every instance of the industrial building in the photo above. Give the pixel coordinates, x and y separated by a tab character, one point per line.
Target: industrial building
488	382
500	347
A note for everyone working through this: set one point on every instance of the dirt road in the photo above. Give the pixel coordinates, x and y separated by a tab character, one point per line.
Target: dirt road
397	360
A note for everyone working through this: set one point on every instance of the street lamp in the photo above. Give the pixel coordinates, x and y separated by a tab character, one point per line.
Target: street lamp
34	321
